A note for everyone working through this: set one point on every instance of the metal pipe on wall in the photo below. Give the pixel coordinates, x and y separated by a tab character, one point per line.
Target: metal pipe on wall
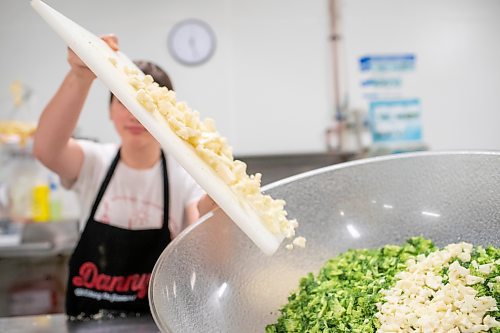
335	130
346	128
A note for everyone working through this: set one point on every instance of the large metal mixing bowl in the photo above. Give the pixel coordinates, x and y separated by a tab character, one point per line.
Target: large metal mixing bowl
213	279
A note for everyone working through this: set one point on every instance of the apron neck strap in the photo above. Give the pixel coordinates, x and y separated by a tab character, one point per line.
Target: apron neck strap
105	183
166	196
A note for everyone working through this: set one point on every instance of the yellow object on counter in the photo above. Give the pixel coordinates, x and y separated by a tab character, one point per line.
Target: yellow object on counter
41	203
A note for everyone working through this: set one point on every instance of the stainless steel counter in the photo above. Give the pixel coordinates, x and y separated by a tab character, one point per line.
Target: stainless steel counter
59	324
44	240
34	272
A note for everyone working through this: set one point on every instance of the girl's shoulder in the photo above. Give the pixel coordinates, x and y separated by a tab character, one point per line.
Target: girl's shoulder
98	153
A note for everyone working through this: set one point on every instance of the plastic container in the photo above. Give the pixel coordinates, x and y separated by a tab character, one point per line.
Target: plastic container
23	173
213	269
41	203
56	201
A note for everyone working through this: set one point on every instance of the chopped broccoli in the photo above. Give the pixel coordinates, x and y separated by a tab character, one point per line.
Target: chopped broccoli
343	297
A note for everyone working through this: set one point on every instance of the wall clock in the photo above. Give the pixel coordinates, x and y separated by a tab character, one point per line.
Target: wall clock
191	42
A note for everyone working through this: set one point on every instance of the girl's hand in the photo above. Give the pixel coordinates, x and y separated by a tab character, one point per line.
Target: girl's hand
79	68
206	204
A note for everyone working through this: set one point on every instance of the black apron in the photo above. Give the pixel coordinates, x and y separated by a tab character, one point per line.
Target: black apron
111	267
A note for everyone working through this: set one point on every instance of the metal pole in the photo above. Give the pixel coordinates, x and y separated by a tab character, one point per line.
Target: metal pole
337	126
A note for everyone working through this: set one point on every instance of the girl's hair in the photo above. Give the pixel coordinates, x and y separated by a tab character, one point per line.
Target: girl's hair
158	74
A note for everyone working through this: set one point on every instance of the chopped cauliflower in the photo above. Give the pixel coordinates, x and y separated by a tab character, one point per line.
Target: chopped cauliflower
214	150
421	301
300	242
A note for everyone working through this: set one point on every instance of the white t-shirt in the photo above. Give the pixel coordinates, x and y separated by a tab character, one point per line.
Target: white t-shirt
133	198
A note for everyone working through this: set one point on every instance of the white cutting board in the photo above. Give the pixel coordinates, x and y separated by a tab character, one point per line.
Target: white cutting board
96	53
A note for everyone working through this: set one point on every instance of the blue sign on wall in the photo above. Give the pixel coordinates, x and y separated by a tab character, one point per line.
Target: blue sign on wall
387	63
396	121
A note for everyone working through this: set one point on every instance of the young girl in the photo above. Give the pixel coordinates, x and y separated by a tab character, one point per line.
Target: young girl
135	199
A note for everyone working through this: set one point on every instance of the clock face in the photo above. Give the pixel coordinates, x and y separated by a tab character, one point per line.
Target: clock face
191	42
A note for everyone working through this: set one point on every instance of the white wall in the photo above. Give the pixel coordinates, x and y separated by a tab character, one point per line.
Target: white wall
458	69
266	85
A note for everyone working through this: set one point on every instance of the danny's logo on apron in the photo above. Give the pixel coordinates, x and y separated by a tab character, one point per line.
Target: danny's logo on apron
111	266
93	281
